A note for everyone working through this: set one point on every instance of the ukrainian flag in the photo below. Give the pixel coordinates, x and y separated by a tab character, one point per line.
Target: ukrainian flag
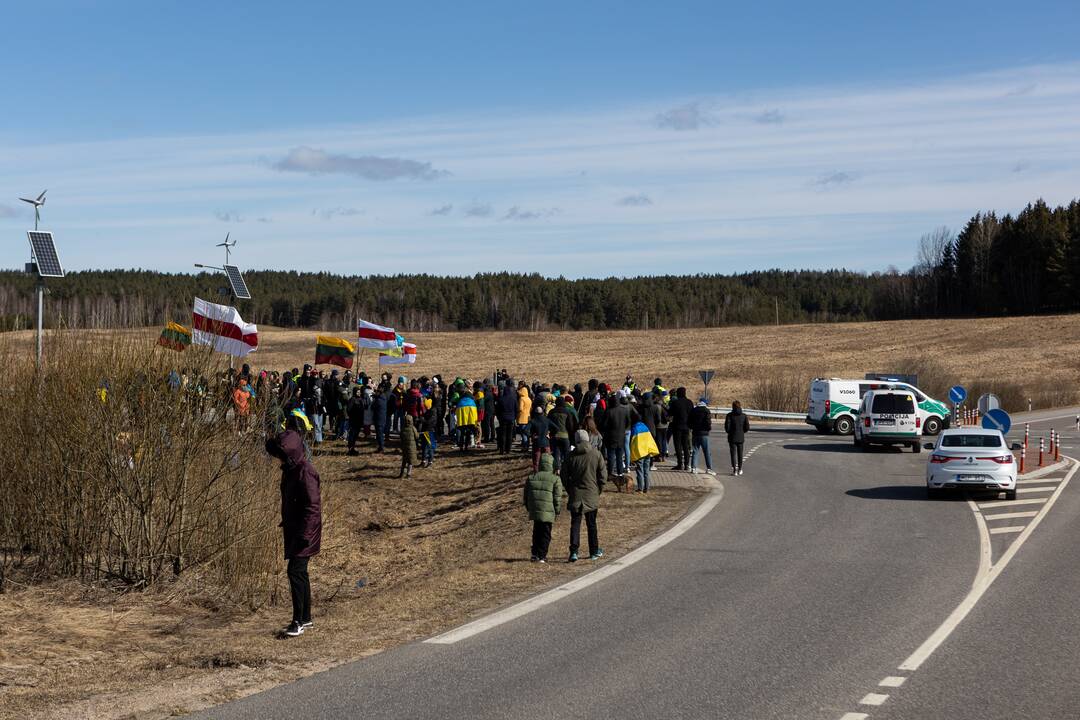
466	412
642	444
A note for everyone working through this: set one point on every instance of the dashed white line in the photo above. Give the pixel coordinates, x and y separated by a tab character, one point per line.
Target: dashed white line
1008	529
1006	516
854	716
892	681
1010	503
1044	488
873	699
1036	481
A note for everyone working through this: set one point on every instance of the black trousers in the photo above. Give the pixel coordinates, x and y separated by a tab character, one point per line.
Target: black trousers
506	436
736	455
541	539
575	531
682	447
300	587
560	448
488	427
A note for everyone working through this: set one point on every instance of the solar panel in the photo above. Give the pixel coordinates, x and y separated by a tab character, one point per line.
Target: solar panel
48	262
236	280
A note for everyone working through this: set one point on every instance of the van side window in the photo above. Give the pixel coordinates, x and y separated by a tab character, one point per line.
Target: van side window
864	388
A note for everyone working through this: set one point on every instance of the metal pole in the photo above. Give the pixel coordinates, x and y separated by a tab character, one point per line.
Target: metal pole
40	308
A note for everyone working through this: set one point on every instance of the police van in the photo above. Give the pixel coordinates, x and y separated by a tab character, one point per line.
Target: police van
833	404
888	417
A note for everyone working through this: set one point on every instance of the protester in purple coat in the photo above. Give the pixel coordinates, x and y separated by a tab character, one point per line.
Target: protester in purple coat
301	515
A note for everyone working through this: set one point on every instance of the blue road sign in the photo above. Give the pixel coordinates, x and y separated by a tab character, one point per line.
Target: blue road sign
997	419
957	393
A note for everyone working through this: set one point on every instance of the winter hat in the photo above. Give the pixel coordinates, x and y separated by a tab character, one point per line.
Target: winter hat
581	437
701	402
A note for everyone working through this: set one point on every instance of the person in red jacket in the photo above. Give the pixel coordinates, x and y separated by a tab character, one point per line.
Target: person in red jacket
301	515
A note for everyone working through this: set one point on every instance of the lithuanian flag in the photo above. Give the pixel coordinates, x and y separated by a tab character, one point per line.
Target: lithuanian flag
333	351
175	337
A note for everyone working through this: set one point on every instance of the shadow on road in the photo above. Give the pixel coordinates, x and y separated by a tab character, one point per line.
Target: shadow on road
899	492
834	447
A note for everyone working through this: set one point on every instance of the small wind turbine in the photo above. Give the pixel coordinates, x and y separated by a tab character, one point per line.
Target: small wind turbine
225	245
37	207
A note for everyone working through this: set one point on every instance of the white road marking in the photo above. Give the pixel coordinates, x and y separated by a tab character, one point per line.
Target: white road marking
1003	516
892	681
1044	488
987	573
854	716
1042	472
1038	480
1007	529
555	594
873	699
1010	503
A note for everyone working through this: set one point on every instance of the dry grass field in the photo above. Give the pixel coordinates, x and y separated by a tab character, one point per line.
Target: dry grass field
1035	355
401	560
448	544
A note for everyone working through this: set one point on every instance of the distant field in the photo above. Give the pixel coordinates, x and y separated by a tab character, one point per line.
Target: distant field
1033	354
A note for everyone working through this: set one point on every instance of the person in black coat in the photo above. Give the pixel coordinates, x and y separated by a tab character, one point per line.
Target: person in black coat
736	425
506	414
301	516
379	416
679	412
700	427
355	412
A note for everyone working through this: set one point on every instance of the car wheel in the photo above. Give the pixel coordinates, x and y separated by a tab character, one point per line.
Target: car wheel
1010	494
844	426
932	426
916	447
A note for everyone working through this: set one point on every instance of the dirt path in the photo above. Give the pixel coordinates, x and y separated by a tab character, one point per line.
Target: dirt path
401	560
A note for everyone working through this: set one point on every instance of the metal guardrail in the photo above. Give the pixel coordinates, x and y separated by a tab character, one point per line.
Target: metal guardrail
764	414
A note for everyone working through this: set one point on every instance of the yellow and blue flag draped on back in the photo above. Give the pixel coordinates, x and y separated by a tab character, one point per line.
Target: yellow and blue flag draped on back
642	444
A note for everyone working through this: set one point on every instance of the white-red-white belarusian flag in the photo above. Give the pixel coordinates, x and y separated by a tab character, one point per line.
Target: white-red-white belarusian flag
221	327
376	336
407	357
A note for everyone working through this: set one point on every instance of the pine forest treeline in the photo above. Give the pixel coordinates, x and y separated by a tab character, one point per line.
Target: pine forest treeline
1027	264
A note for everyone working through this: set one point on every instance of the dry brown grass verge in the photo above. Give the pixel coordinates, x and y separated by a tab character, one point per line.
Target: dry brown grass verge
433	551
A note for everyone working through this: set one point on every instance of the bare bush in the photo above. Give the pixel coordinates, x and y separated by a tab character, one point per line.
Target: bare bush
779	392
114	474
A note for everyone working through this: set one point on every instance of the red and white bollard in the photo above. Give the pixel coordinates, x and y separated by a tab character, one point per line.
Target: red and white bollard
1052	442
1057	446
1023	457
1042	449
1027	434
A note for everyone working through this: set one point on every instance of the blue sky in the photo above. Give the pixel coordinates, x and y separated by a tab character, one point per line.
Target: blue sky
564	138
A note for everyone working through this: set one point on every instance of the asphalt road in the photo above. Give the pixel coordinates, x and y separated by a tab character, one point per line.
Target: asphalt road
821	570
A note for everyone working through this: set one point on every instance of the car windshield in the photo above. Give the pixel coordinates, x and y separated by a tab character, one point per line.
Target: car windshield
971	441
893	405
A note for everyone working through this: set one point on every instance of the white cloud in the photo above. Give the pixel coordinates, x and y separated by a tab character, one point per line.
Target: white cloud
370	167
228	216
878	166
517	213
690	116
636	200
331	213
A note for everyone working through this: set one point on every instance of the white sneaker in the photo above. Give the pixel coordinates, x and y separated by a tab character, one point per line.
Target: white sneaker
694	470
711	472
740	471
734	471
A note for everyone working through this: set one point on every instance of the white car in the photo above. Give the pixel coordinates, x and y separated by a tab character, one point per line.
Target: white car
971	458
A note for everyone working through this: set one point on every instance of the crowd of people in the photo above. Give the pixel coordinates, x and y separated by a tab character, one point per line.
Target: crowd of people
577	439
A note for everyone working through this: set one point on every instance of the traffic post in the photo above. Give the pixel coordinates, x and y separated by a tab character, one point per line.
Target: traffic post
1027	434
1051	442
1023	457
1057	447
1042	449
706	376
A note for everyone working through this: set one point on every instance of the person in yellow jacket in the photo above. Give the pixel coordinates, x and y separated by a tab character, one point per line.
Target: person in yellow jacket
524	409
